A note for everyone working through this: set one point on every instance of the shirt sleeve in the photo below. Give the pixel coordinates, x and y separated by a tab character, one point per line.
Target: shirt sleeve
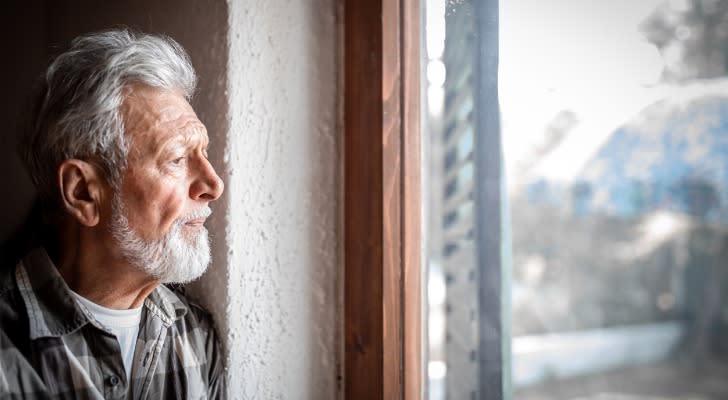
18	379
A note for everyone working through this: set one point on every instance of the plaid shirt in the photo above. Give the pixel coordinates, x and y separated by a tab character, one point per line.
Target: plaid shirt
52	347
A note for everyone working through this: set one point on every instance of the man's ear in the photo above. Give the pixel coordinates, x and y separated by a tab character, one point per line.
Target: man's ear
81	190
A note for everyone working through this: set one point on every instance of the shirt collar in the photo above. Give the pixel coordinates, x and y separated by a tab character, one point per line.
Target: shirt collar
166	304
52	309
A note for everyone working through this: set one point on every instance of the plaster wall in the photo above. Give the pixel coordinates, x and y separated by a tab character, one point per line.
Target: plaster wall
281	168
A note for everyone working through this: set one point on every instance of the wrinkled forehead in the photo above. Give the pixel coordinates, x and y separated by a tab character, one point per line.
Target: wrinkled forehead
153	117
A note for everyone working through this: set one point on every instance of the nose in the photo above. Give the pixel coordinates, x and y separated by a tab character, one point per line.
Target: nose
207	185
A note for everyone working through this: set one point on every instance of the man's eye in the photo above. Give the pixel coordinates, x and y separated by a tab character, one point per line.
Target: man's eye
178	161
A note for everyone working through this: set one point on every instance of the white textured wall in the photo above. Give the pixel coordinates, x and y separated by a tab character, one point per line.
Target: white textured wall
275	296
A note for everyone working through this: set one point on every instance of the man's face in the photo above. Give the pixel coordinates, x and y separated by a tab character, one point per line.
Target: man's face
157	218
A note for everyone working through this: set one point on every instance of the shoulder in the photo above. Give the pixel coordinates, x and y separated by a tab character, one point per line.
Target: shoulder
194	313
13	316
194	329
194	325
7	279
11	304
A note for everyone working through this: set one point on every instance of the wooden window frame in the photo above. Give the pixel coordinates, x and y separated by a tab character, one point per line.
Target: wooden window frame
383	295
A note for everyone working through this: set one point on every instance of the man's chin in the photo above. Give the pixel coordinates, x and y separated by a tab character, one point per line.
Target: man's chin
188	261
181	256
182	277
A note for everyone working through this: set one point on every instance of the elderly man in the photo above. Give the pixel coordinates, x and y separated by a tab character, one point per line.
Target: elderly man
119	159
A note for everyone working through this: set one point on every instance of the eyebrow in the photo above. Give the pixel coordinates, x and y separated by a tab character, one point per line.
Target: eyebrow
183	139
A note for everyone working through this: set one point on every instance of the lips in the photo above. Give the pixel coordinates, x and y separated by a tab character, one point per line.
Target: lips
196	222
197	218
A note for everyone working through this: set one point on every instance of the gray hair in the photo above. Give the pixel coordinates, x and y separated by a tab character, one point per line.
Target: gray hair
77	113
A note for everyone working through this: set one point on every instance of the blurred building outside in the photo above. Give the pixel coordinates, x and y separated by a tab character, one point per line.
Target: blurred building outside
615	134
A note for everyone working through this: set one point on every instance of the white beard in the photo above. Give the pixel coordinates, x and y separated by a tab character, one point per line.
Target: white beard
172	258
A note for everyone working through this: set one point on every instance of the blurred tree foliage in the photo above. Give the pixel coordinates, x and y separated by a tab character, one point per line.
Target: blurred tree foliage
691	35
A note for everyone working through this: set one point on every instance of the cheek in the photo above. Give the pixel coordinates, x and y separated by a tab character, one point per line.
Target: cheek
153	206
170	206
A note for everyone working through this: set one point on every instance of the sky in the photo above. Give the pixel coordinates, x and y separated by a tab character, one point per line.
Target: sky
582	56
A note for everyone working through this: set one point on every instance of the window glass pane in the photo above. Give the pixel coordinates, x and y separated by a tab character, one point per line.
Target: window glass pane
615	133
465	355
591	262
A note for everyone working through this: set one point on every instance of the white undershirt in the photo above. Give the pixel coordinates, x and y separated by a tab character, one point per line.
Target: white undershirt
122	323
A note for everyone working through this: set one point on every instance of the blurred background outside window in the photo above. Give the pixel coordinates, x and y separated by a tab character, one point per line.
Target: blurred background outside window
614	134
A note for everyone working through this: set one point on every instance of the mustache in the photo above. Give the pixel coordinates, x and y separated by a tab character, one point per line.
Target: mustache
203	212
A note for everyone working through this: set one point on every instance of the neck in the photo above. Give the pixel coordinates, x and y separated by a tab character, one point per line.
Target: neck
97	272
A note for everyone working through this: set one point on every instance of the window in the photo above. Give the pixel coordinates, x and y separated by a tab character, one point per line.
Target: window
588	261
467	358
382	295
